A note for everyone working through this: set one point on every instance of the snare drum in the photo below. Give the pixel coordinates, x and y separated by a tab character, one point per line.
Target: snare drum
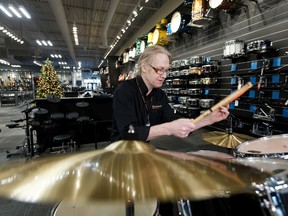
184	72
195	91
196	61
193	102
199	10
179	22
208	81
275	146
206	103
209	68
195	70
175	64
259	46
179	81
195	82
184	62
233	49
224	4
110	208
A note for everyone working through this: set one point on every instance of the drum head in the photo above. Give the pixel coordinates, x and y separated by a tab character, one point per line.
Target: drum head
142	46
175	22
265	146
215	3
155	36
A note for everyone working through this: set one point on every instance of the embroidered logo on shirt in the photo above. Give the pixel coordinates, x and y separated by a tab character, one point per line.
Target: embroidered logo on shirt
155	107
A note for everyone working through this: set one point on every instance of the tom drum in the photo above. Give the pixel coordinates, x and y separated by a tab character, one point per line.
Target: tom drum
179	22
159	37
199	10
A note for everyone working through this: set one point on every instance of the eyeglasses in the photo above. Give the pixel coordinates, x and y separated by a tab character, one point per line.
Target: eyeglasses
159	71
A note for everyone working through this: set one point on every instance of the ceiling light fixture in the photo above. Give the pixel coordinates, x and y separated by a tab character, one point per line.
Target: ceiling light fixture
5	11
75	34
15	11
16	66
2	61
39	42
24	12
44	43
49	43
10	33
37	63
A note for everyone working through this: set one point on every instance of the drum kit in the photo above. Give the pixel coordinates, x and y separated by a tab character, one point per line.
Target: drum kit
134	175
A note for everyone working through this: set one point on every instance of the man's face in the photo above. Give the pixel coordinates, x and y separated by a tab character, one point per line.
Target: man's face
154	74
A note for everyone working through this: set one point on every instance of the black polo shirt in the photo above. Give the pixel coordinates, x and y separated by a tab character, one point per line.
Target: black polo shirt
129	108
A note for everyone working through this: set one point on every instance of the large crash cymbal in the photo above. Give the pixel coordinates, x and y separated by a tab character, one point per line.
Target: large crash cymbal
224	139
125	170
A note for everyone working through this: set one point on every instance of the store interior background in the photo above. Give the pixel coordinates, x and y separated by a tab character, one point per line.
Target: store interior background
251	21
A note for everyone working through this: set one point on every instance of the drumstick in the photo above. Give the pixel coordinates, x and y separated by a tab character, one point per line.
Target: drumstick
230	98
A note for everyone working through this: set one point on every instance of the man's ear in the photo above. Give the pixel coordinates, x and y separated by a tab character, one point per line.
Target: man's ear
143	67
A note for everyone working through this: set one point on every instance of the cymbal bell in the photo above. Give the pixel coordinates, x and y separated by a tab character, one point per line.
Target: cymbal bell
125	170
225	139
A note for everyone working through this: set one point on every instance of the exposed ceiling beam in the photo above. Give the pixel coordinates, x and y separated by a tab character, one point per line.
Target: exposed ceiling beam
59	13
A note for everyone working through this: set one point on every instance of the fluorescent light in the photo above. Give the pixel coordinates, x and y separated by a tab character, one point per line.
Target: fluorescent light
2	61
44	43
25	13
39	42
15	11
52	56
6	11
37	63
49	43
16	66
75	34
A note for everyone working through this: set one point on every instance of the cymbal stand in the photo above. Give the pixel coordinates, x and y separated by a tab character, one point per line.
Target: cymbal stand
27	141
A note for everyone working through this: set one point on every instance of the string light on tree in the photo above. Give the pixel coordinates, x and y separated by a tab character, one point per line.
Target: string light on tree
49	84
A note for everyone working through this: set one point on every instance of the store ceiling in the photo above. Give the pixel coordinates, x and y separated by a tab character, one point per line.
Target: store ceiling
98	23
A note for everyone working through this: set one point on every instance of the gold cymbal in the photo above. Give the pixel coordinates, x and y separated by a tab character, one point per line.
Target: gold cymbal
125	170
224	139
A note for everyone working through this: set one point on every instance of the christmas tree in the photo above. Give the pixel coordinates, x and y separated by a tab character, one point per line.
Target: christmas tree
49	84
